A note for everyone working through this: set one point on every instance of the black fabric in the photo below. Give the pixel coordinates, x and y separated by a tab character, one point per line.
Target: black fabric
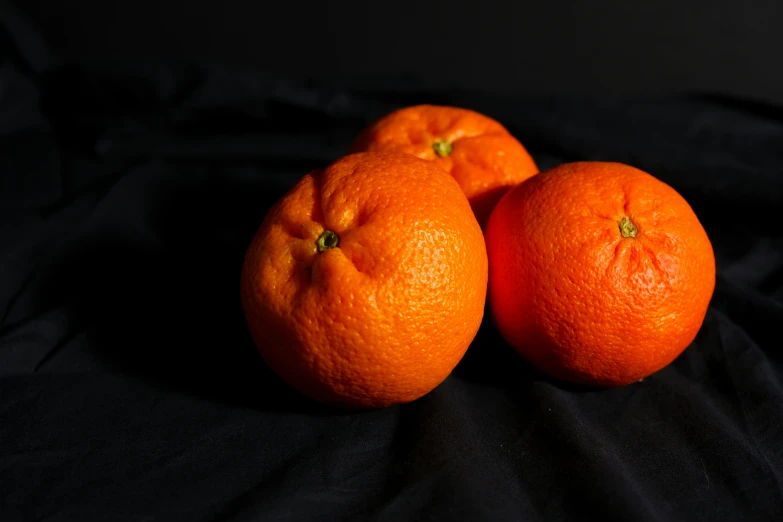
130	389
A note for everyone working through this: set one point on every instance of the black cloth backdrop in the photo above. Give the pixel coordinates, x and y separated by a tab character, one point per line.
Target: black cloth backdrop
130	389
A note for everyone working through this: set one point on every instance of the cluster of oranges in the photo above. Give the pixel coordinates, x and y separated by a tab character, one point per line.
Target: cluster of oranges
366	283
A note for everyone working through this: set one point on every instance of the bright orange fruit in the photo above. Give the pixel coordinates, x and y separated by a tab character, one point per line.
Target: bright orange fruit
484	158
366	282
599	273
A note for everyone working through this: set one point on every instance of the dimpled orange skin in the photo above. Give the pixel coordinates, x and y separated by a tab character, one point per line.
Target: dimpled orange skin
385	316
485	159
579	300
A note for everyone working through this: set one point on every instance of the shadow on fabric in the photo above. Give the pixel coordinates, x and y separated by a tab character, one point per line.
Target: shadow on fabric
159	294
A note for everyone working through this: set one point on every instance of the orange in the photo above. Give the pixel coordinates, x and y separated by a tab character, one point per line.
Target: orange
366	282
484	158
600	274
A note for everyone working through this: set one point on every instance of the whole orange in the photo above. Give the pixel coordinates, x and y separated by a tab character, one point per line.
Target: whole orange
366	282
600	273
484	158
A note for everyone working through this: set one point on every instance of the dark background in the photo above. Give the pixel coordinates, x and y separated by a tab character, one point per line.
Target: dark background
613	47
